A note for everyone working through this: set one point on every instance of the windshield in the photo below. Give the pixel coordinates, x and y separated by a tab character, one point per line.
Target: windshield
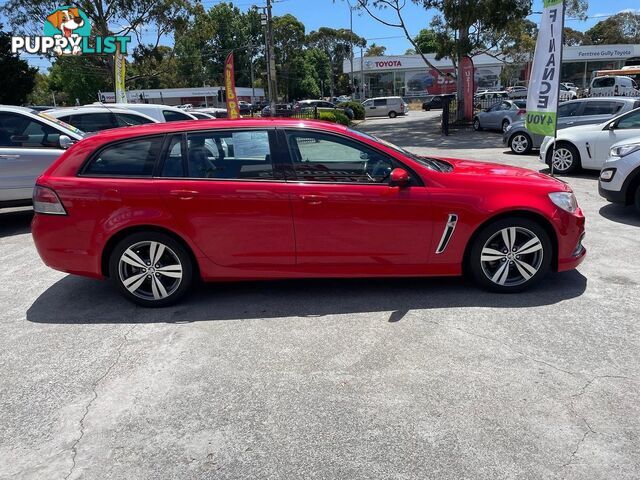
60	123
432	163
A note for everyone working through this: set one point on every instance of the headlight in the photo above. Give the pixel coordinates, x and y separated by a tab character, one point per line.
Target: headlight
564	200
623	150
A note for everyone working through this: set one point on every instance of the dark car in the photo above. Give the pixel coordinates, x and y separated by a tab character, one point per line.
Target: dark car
282	110
436	101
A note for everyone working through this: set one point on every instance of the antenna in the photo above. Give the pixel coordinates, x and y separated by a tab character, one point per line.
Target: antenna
123	119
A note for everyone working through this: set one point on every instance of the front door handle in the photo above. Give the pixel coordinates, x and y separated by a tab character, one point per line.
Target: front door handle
184	194
9	156
313	199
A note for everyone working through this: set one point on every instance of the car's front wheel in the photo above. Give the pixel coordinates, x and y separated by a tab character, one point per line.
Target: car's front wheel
476	124
510	255
520	143
151	269
565	158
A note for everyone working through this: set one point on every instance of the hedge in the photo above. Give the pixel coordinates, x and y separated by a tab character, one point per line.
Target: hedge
358	109
335	116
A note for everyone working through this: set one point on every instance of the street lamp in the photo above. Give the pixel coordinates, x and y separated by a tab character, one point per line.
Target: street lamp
351	43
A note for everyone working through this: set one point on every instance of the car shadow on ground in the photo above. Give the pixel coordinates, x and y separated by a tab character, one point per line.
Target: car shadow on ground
425	134
621	214
76	300
16	222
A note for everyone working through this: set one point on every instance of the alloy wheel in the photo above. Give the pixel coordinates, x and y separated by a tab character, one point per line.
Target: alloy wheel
562	159
511	256
505	124
519	143
150	270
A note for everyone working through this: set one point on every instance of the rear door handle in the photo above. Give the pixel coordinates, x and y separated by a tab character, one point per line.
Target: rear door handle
184	194
9	156
313	199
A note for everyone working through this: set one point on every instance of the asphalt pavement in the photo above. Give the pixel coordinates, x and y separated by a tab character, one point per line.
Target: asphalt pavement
329	379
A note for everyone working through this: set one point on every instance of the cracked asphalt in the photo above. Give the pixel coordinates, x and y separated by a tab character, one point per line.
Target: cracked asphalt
335	379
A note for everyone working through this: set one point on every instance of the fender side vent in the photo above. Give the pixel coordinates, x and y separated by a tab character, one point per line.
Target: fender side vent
447	233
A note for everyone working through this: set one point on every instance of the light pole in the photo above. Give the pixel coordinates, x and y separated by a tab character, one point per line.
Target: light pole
351	44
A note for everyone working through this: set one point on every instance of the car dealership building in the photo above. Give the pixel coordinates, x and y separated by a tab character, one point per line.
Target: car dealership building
407	75
197	96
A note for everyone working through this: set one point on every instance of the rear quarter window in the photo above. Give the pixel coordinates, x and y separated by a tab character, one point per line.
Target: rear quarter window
131	158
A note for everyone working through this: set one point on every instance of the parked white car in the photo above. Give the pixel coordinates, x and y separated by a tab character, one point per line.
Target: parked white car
588	146
566	93
94	118
29	142
620	175
613	85
162	113
384	107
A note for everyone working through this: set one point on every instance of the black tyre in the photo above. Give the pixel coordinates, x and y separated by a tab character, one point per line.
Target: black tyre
505	124
476	124
565	158
151	269
520	143
393	114
636	200
510	255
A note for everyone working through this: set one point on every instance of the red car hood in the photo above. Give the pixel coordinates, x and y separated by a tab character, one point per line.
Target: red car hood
499	172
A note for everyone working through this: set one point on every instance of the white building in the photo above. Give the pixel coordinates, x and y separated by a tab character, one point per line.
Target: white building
197	96
407	75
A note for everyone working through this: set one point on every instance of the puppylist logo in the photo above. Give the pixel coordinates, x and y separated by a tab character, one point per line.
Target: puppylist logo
67	31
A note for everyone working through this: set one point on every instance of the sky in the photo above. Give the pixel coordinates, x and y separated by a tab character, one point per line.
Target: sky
335	13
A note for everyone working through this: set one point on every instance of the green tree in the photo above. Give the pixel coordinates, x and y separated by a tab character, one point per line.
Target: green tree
79	78
289	41
574	37
152	67
41	93
375	50
426	41
621	28
18	78
337	45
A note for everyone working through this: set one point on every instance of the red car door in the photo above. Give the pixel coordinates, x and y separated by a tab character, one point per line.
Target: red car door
227	195
344	210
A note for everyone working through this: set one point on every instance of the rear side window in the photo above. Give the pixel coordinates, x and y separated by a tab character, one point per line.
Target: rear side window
601	108
128	119
569	109
603	82
91	122
132	158
171	116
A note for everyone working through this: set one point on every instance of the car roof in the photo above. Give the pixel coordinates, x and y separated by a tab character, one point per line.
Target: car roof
16	108
611	99
88	109
217	124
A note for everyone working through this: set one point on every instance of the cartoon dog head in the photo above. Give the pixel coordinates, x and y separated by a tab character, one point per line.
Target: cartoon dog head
66	20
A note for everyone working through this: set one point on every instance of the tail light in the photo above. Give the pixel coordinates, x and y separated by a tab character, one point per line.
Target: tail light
522	111
46	201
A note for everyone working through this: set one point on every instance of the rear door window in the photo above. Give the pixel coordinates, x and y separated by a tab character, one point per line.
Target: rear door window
239	155
92	122
171	116
569	109
601	108
604	82
131	158
380	102
128	119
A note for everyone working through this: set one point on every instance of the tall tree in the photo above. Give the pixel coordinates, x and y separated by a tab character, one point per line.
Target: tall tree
153	67
623	27
374	50
337	45
574	37
289	41
18	78
79	78
427	40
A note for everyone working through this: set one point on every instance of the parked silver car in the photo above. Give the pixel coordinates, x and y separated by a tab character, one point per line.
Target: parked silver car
500	115
584	111
95	118
29	142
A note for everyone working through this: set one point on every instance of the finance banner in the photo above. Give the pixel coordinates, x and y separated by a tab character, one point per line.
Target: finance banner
233	110
542	98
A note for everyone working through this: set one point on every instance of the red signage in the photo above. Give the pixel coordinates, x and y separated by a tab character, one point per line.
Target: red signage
233	110
468	87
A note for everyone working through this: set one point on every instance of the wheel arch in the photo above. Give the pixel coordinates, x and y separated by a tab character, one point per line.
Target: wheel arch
529	215
630	185
560	143
125	232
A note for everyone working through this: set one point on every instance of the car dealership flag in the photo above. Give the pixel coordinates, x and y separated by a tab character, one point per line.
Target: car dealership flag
120	62
233	111
542	100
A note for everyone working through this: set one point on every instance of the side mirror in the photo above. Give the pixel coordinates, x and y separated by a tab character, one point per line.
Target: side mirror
398	177
612	126
64	142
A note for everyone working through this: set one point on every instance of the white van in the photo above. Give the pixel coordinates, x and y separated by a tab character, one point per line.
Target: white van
384	106
613	85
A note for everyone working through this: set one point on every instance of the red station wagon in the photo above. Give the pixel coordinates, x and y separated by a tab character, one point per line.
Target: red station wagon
153	207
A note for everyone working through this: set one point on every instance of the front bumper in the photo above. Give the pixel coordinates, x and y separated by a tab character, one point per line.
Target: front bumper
571	232
613	196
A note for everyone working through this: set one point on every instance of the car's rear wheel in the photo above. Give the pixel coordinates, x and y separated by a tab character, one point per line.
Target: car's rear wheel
151	269
510	255
565	158
505	124
476	124
637	198
392	114
520	143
